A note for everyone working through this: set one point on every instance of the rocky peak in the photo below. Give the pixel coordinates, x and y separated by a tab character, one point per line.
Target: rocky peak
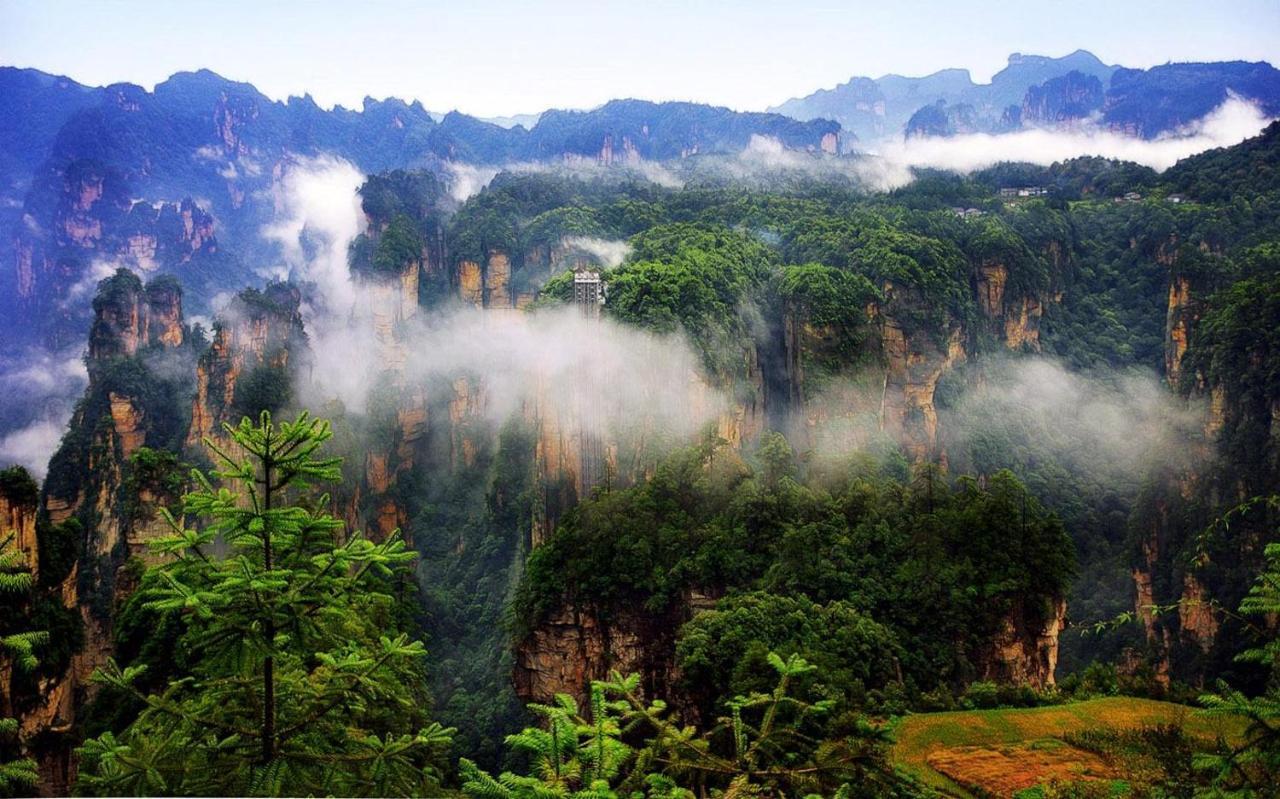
129	317
1069	97
260	328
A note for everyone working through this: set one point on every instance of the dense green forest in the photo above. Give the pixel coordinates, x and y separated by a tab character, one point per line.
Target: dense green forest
779	602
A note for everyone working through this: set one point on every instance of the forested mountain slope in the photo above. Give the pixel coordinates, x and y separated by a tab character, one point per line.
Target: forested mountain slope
929	438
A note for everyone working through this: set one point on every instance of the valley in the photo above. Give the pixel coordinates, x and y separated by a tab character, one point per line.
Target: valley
659	449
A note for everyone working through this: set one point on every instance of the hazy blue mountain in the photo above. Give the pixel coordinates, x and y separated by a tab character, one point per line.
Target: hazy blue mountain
1068	97
33	107
526	121
874	108
1149	102
95	176
1038	91
623	130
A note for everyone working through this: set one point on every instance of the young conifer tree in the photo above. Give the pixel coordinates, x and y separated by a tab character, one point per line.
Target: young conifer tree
297	685
1252	768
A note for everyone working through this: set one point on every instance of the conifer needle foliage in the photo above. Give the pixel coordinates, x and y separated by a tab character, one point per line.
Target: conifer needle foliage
627	746
17	774
301	682
1253	767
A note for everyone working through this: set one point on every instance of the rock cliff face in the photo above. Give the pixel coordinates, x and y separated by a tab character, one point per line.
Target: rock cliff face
1015	318
1184	311
1025	650
94	480
1180	566
488	283
18	518
393	301
95	221
1187	490
914	363
261	332
1065	99
1170	636
576	646
132	320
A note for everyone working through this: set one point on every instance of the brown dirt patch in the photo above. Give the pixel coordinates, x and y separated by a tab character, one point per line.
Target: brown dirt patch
1004	770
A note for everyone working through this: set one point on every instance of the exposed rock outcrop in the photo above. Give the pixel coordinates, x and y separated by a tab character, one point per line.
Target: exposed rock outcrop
129	319
18	505
1015	318
1068	98
1183	311
93	480
576	645
259	330
914	362
1025	650
95	220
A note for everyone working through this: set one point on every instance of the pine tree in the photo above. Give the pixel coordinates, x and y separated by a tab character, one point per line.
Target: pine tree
1253	767
297	687
17	774
632	747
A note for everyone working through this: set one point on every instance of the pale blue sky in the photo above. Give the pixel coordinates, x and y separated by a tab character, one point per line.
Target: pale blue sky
492	57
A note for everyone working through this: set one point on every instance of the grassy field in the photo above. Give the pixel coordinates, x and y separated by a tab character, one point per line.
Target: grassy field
1004	751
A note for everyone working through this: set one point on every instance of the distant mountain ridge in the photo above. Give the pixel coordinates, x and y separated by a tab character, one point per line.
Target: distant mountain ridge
182	179
1040	91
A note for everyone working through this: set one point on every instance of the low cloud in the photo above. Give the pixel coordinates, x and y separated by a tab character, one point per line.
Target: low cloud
33	445
888	165
609	252
361	330
37	395
319	216
84	288
604	378
1232	122
1113	425
465	180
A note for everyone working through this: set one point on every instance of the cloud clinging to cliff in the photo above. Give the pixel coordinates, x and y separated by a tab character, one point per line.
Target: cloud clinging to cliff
465	180
619	374
610	252
1111	425
1228	124
37	391
319	217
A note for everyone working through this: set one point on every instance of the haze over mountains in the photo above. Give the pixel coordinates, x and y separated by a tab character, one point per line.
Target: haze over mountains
1039	91
186	178
952	389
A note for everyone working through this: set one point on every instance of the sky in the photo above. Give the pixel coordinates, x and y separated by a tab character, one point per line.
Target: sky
501	57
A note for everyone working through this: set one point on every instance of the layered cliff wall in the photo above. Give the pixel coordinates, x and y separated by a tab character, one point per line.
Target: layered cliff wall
1188	559
576	646
96	221
832	387
258	344
99	492
18	506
